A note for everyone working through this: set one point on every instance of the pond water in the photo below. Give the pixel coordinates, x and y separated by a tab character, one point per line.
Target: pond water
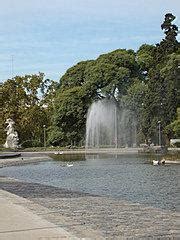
127	177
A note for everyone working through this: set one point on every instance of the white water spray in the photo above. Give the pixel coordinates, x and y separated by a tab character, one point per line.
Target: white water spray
107	126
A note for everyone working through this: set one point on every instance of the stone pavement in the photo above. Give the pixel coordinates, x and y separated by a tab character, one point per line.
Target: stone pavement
94	217
19	223
19	161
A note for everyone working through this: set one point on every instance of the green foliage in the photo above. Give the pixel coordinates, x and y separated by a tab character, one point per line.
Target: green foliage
31	143
161	100
22	100
108	76
135	96
145	58
173	129
55	136
169	44
75	76
134	101
170	29
124	70
69	117
145	82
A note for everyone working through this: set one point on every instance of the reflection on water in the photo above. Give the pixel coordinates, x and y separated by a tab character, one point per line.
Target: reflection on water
129	177
59	156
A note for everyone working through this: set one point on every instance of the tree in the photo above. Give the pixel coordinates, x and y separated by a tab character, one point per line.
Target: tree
22	101
170	29
169	44
173	129
125	71
145	58
134	101
69	118
109	75
161	100
75	76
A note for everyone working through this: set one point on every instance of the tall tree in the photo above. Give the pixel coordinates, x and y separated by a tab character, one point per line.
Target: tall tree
22	101
161	102
109	75
69	117
169	44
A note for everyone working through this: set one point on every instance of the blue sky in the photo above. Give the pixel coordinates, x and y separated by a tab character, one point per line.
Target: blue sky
52	35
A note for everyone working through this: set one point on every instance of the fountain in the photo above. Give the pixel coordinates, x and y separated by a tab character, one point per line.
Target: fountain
108	126
12	136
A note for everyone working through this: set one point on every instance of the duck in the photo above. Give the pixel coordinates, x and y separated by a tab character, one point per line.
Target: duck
57	153
155	162
159	162
69	165
162	161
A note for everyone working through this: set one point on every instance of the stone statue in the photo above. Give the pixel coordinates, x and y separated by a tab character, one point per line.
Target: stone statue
12	136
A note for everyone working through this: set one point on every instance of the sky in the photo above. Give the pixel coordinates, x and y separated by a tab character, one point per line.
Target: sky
51	36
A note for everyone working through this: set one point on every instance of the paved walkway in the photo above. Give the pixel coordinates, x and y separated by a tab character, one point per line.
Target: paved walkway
18	161
85	216
19	223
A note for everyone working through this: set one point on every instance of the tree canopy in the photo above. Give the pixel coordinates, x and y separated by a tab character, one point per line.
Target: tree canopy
145	82
23	100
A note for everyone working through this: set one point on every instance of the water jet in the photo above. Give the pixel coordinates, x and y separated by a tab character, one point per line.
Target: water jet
109	126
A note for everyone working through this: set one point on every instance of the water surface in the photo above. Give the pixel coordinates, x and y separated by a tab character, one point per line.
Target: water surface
128	177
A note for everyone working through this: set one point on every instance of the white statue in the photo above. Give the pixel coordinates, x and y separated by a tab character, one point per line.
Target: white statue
12	136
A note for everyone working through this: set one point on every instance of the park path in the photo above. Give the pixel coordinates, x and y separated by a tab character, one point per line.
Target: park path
19	223
94	217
